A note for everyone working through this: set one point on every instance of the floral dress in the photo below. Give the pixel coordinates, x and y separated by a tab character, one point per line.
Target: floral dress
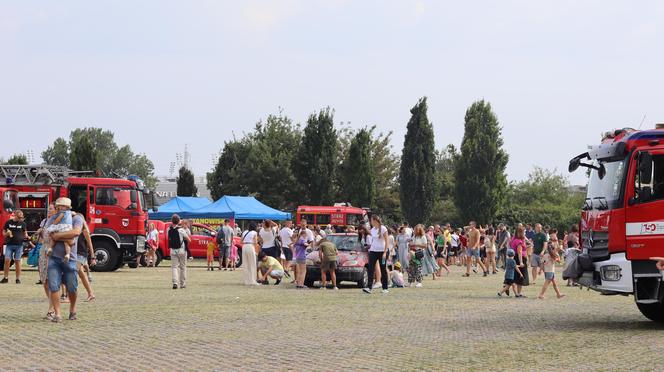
415	264
429	265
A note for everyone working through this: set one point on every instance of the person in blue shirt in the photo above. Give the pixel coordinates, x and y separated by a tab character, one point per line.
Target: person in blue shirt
510	269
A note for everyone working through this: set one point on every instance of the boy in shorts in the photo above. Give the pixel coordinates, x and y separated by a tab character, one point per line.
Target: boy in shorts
510	268
328	262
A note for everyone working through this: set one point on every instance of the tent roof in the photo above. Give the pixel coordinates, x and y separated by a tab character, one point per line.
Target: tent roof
239	207
179	205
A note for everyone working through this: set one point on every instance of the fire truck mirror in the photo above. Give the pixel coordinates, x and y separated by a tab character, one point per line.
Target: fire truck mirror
601	171
645	167
574	164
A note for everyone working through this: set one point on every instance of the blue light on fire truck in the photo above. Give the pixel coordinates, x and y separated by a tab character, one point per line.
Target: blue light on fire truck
139	182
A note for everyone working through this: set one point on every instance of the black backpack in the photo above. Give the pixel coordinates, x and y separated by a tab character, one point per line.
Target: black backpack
221	237
174	240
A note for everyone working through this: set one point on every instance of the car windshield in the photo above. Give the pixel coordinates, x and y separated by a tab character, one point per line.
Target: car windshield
346	243
608	190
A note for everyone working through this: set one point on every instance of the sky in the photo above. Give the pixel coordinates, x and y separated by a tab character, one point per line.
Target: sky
161	74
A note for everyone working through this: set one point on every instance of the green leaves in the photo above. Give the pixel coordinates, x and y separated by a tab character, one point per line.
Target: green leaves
83	156
185	183
17	159
480	169
418	160
357	173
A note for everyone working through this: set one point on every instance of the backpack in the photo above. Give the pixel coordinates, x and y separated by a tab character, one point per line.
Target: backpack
221	237
174	239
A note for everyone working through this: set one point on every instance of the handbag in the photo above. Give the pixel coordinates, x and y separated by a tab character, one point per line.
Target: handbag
33	256
419	254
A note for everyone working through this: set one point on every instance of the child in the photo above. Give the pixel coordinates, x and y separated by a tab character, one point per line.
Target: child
570	254
233	256
396	276
510	268
548	265
210	255
61	221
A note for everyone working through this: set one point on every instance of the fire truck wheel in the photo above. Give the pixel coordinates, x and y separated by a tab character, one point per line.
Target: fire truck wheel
654	312
107	256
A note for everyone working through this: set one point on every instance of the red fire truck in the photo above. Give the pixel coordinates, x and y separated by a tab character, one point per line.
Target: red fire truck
622	224
339	216
114	208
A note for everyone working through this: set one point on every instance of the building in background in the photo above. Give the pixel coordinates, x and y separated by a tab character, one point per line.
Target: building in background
167	188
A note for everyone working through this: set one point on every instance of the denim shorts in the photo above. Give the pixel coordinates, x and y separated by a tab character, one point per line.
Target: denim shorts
277	273
83	260
549	276
13	252
59	270
535	260
472	252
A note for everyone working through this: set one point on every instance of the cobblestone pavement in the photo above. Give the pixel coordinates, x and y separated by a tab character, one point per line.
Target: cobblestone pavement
139	322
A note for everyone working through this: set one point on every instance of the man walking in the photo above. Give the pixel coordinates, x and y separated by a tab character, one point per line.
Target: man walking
224	241
503	240
15	232
473	249
177	237
539	240
61	271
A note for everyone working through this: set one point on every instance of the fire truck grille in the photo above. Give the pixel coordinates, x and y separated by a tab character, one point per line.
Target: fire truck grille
596	243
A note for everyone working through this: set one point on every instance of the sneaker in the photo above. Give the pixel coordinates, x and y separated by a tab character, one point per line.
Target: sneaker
212	269
208	269
335	288
485	273
367	290
265	282
39	282
183	286
500	294
18	281
277	282
323	287
385	291
418	285
475	270
175	286
376	286
4	280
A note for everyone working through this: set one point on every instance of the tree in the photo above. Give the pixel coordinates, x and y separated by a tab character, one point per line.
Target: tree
57	154
418	160
227	176
444	210
17	159
358	173
185	183
545	197
83	156
111	160
316	161
480	170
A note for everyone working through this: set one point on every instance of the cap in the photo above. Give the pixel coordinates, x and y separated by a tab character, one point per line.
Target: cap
510	253
397	265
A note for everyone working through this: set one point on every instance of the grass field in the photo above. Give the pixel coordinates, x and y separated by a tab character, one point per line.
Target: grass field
139	322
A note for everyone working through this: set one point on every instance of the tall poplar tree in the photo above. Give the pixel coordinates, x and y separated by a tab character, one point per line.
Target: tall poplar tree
316	161
418	160
358	176
480	169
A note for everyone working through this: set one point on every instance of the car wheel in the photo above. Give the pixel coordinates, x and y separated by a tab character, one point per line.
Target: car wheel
160	256
364	282
144	261
654	312
107	256
238	264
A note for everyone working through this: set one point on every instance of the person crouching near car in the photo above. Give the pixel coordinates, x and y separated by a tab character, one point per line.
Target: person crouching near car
328	262
270	267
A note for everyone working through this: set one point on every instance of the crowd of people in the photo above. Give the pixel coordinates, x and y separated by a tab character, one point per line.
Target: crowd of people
398	256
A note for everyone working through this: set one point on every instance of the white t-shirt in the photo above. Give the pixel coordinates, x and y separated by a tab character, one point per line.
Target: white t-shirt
455	240
285	234
408	232
153	235
248	237
377	239
310	235
267	235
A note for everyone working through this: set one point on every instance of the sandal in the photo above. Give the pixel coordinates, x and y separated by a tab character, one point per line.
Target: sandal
49	315
90	298
56	319
72	316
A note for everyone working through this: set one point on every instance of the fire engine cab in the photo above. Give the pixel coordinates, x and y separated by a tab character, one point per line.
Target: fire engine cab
115	209
622	224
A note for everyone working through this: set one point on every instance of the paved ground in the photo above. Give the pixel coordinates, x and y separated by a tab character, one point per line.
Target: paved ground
139	322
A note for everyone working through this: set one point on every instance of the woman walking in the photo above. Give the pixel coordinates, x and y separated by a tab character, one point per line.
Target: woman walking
377	253
490	245
402	248
518	244
417	246
249	244
429	266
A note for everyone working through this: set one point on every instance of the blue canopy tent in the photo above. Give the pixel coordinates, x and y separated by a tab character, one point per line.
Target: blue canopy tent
239	208
179	205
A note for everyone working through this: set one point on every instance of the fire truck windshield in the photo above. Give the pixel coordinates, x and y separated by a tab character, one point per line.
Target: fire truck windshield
607	191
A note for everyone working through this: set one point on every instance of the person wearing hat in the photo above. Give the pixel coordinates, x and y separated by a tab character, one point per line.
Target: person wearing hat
511	269
396	276
15	232
62	222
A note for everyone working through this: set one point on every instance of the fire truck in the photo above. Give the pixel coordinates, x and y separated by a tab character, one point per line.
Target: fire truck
622	222
339	216
115	209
